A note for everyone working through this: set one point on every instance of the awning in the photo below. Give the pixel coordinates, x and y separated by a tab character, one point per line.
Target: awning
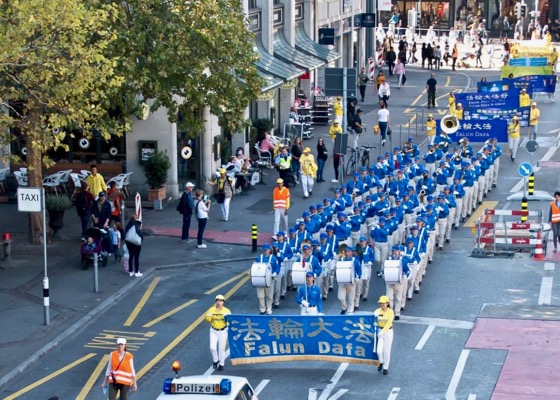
270	82
305	44
283	50
273	66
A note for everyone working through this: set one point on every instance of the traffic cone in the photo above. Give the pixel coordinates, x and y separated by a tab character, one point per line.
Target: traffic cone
538	255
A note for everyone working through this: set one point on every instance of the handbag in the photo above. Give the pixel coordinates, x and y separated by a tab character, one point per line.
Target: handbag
403	80
220	197
133	237
389	131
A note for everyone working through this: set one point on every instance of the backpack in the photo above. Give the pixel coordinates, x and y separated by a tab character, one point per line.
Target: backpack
350	120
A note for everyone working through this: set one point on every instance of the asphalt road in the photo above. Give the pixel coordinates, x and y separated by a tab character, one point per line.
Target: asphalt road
162	315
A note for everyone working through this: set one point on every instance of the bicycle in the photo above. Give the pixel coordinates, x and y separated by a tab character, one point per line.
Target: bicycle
358	158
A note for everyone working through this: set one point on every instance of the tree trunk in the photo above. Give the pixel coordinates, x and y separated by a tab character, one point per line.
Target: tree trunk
35	171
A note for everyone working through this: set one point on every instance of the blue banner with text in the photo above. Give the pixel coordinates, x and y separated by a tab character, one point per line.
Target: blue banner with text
539	83
480	130
273	338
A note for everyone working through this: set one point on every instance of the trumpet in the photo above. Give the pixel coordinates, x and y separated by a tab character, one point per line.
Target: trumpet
439	171
421	195
432	150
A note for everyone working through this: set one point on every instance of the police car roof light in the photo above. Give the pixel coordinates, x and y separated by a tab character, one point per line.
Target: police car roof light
225	386
176	366
167	385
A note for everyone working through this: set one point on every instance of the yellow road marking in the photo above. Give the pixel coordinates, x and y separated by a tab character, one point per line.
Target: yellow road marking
221	285
32	386
442	112
411	120
169	313
408	110
448	81
417	99
485	205
186	332
93	377
142	302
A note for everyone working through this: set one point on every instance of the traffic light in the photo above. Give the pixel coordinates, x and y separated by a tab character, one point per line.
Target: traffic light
523	10
518	10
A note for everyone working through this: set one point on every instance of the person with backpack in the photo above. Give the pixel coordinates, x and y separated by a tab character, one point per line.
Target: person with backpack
84	201
224	192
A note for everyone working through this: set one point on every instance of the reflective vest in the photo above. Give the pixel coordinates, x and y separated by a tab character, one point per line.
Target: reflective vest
281	198
554	212
124	372
285	162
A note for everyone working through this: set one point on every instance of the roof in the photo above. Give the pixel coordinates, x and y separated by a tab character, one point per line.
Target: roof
307	45
273	66
285	51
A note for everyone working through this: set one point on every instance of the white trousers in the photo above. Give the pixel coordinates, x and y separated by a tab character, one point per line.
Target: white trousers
346	295
513	145
394	293
307	184
218	341
280	216
265	295
441	227
414	271
225	208
458	211
450	222
381	252
384	345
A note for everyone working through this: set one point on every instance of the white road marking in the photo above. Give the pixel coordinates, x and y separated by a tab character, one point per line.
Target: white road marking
338	394
444	323
450	394
471	397
211	370
394	393
545	296
312	394
336	377
549	266
261	386
425	337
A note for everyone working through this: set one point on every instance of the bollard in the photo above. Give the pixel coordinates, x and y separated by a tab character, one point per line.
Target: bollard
524	206
254	237
538	255
531	184
6	261
95	273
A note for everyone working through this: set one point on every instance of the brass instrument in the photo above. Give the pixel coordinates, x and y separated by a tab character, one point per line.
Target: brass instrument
341	249
432	150
421	195
449	124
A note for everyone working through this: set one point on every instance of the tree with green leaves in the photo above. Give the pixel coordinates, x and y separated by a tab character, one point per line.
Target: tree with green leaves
186	55
55	71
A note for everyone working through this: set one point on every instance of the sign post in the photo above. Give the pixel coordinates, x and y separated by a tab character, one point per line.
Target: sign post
525	170
33	200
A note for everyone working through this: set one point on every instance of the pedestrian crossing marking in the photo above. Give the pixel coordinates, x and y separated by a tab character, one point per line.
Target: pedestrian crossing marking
486	205
107	339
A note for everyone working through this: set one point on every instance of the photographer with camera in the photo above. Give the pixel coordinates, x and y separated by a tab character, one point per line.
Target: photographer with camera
201	208
120	372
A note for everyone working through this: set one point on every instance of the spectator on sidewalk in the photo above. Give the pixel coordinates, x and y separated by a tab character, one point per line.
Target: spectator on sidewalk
84	202
115	199
390	58
297	151
101	212
95	181
431	89
201	208
186	208
383	121
364	79
322	156
133	248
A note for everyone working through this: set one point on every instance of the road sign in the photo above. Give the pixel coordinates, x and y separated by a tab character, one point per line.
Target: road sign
334	79
531	146
29	199
525	169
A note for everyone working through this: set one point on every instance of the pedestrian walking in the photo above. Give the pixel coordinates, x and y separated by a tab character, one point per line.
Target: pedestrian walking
384	93
534	116
383	121
454	56
322	156
120	373
357	128
84	203
309	296
216	316
554	219
201	208
297	151
431	89
513	136
308	172
385	317
133	237
223	185
400	72
281	205
364	79
101	211
186	208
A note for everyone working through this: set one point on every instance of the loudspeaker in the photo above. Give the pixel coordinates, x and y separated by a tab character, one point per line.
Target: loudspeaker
341	143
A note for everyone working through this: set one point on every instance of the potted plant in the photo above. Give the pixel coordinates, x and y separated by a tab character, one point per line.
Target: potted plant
155	170
56	205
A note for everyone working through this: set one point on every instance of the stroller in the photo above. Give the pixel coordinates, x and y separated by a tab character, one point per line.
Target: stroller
95	245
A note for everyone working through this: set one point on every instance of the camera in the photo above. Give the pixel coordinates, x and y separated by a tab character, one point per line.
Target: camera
206	197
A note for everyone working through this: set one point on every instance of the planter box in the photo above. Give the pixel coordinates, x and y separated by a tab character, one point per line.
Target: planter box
157	194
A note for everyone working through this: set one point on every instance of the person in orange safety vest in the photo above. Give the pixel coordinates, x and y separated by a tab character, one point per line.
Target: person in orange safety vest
120	372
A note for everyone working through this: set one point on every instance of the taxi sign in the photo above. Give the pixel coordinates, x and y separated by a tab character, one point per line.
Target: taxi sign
525	169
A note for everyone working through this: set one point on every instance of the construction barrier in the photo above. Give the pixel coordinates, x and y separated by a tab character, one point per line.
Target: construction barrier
492	238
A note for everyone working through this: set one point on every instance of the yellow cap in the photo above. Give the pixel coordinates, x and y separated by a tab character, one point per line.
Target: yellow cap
306	150
515	118
222	170
279	180
534	104
430	115
220	297
383	299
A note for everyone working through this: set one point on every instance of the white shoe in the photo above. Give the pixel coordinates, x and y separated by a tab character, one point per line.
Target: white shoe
334	180
138	274
131	274
202	246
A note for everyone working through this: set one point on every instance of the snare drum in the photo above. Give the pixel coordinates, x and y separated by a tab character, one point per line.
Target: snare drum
261	275
298	272
392	271
366	271
345	272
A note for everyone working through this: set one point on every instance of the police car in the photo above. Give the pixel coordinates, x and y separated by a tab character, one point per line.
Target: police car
200	387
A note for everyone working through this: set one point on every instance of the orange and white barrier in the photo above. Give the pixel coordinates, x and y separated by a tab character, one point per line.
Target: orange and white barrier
521	213
538	255
371	70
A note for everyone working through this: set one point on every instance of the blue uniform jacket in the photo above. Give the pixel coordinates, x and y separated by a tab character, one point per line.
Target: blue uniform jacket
312	294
